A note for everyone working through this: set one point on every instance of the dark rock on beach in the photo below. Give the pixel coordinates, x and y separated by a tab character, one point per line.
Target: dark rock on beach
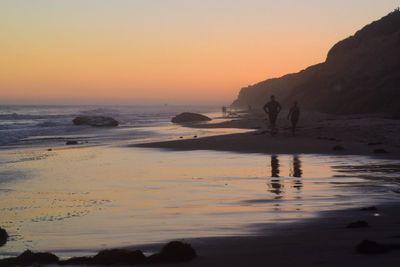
380	151
374	143
372	208
29	258
3	237
358	224
188	117
174	251
96	121
119	256
109	257
76	261
371	247
71	143
338	148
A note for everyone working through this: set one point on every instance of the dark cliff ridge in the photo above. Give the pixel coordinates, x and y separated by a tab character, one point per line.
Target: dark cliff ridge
360	75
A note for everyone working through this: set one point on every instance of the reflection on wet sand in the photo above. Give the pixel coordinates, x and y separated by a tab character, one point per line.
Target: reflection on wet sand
296	171
276	183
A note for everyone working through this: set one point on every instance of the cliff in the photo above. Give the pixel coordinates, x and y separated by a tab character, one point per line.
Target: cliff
360	75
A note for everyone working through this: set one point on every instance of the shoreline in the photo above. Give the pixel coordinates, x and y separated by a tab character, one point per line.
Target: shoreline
317	134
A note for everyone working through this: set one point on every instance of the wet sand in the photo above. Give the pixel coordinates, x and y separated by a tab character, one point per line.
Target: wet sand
324	241
317	134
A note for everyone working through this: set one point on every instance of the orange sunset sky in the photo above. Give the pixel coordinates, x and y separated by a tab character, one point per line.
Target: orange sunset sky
164	51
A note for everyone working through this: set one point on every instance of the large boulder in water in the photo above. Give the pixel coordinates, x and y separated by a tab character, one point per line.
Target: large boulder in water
188	117
95	121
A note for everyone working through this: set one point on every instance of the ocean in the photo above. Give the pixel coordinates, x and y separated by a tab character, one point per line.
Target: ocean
52	125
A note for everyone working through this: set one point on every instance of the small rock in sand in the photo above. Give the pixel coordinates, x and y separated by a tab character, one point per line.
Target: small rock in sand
371	247
338	148
3	237
372	208
380	151
357	224
375	143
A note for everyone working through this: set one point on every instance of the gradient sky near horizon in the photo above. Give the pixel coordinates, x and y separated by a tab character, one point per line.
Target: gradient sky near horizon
164	51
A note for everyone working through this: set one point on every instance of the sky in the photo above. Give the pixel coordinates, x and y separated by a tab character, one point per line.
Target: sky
164	51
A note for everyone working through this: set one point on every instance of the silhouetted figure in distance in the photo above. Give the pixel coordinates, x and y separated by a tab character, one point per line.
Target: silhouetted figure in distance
223	111
294	115
272	108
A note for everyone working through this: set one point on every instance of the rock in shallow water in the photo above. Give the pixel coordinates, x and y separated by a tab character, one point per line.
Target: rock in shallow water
96	121
188	117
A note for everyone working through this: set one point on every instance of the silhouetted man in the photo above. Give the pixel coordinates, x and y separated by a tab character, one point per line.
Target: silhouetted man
294	115
272	108
224	110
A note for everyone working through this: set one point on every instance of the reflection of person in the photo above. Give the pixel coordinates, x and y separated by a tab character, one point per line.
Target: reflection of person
272	108
297	172
274	166
294	115
275	184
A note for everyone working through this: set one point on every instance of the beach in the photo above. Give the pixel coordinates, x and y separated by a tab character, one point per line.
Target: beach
317	133
323	241
240	196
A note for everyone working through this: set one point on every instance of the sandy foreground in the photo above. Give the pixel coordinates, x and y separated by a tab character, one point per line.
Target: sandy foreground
323	241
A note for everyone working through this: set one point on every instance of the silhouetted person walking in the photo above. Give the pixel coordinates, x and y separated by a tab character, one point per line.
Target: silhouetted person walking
294	115
224	111
272	108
